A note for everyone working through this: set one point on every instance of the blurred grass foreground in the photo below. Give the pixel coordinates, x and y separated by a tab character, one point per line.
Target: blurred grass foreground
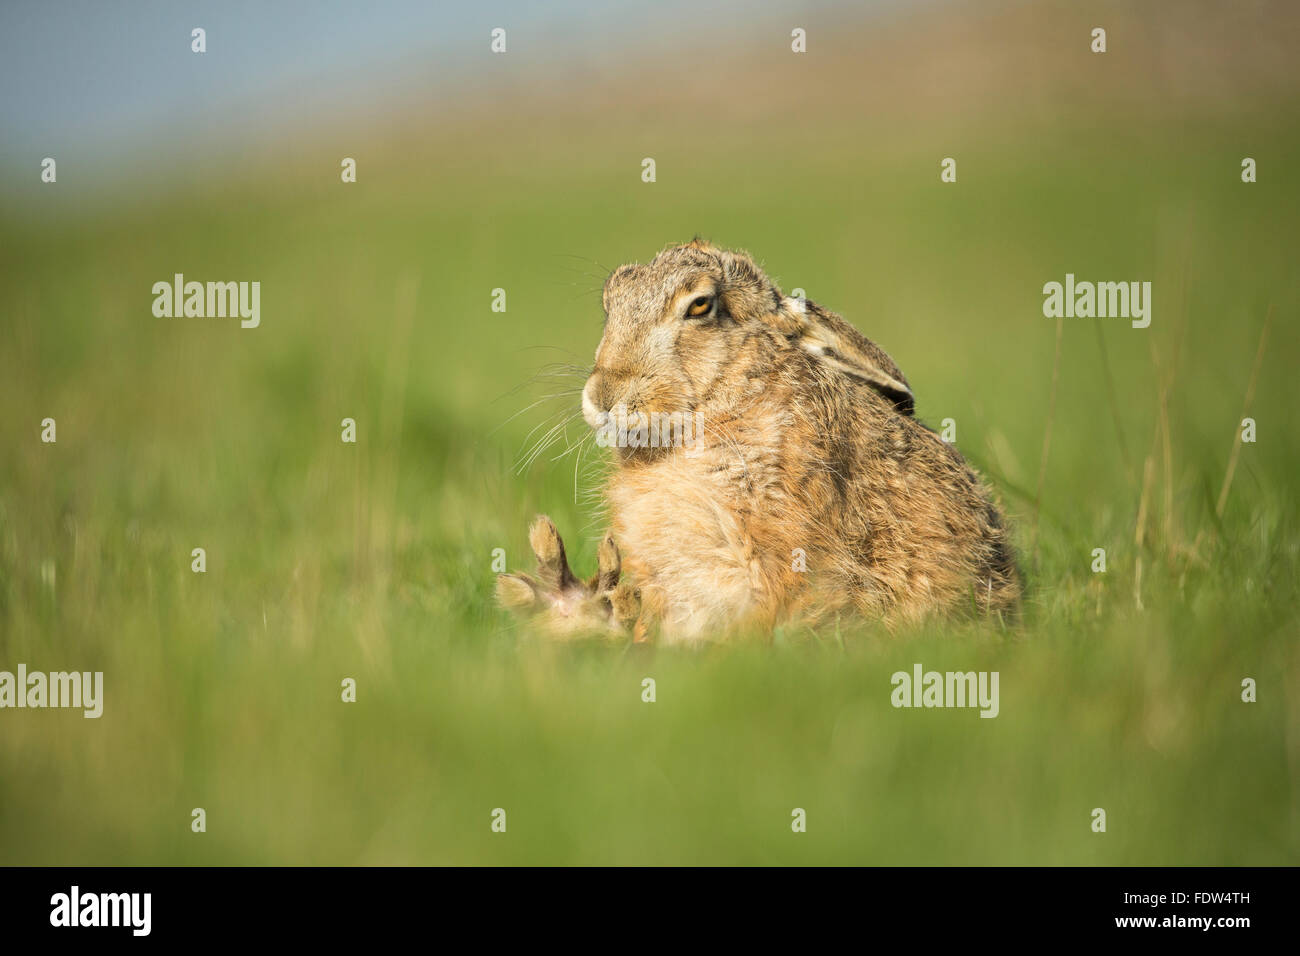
1122	689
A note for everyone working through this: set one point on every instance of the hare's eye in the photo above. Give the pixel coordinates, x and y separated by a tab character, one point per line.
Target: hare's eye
701	306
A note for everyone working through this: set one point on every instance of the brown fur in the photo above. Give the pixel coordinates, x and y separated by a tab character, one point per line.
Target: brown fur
808	444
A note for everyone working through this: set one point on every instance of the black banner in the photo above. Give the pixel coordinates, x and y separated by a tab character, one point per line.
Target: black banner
327	905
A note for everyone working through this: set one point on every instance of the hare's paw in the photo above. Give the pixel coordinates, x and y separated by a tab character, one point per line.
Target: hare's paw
558	601
622	598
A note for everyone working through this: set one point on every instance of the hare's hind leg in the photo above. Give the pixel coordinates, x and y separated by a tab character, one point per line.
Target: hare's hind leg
558	601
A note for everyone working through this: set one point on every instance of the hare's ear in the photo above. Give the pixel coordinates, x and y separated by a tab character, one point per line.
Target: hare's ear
840	346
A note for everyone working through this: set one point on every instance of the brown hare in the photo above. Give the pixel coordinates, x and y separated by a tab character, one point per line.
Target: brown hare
789	480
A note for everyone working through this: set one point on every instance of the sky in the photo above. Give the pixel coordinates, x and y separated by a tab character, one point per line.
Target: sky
89	73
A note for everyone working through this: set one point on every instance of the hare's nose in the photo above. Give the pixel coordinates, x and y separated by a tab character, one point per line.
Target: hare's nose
590	410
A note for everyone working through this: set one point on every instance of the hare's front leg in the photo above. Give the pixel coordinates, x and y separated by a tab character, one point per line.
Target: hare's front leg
559	602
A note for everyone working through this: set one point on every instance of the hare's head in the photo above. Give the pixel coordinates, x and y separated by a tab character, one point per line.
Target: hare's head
698	322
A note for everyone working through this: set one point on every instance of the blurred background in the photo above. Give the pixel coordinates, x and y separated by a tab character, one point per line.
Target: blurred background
522	171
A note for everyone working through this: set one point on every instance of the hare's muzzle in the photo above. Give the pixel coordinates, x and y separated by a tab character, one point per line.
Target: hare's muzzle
605	394
592	410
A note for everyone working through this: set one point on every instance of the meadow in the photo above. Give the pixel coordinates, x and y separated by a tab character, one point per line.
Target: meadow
1120	690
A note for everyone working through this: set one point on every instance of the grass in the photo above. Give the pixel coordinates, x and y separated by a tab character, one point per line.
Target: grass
373	561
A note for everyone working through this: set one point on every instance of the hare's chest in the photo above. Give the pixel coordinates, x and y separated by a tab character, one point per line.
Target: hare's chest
688	546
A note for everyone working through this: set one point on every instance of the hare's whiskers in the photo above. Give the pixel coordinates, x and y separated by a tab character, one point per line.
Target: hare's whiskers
555	433
529	408
529	447
563	411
